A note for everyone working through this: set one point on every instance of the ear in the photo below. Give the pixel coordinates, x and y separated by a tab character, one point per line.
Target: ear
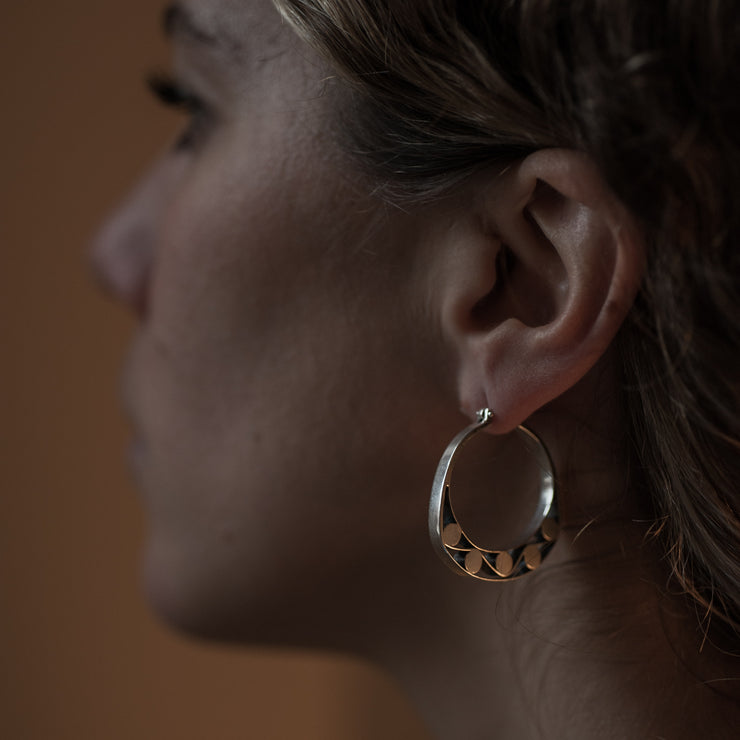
545	268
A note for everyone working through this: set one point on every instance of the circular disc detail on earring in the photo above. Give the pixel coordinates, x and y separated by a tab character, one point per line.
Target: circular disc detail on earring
457	550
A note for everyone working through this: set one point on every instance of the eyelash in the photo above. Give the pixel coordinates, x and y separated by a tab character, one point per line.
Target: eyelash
168	91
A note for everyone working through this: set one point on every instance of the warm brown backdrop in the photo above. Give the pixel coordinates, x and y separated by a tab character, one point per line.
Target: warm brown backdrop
80	657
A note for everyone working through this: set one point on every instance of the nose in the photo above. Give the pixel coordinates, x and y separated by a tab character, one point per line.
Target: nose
122	253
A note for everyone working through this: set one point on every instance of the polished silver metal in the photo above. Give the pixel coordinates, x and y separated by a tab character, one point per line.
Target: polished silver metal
458	551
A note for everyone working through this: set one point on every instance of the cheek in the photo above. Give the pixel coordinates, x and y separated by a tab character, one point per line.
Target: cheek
280	402
252	379
242	304
246	235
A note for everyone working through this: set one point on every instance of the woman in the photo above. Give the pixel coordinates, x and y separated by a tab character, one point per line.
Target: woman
383	218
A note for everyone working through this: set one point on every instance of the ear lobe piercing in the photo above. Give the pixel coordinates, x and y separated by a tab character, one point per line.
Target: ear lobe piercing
457	550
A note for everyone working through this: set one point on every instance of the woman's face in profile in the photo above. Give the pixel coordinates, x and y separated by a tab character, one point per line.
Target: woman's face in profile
276	370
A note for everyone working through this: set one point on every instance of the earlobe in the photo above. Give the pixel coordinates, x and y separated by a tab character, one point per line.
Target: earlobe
577	261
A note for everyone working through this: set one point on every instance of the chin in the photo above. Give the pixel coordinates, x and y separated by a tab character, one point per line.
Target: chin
182	598
205	605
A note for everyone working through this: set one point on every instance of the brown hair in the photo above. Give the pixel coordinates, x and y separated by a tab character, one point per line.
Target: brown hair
649	90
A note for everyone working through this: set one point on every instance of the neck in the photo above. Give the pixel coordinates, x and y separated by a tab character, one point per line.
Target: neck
587	647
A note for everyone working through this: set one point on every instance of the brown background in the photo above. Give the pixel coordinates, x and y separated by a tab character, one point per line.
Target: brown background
80	656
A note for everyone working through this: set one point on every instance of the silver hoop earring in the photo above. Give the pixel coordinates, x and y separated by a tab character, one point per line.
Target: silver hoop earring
457	550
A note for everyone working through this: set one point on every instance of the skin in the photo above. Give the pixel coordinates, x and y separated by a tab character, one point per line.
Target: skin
305	352
259	378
